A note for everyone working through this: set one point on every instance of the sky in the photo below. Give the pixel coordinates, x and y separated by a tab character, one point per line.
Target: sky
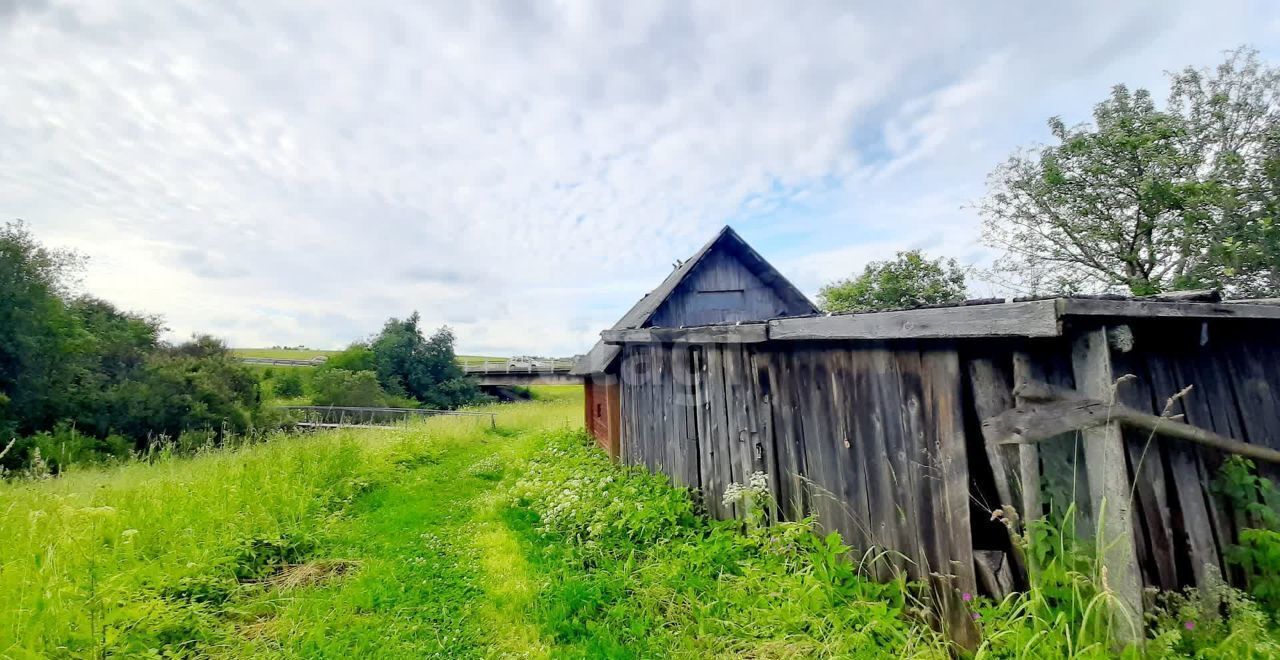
285	173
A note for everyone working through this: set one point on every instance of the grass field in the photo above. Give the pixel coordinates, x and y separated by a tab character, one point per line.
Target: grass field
451	539
297	354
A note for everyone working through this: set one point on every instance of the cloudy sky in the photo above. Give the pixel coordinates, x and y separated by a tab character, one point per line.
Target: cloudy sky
294	173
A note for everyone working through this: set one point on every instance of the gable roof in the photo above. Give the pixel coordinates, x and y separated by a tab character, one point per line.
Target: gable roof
602	355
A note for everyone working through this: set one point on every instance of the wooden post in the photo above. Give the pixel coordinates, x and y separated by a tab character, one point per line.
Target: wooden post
1028	461
1109	487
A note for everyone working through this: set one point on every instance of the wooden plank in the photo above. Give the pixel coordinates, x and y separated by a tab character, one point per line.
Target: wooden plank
626	412
1028	455
722	457
1216	415
813	382
750	333
868	451
792	470
992	395
916	469
1196	540
1038	318
642	372
944	400
886	415
1109	486
1251	359
762	394
1146	460
706	444
736	431
1038	421
1064	481
1155	309
673	418
850	399
686	427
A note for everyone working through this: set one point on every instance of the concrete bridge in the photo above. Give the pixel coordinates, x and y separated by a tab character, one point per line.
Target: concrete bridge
508	373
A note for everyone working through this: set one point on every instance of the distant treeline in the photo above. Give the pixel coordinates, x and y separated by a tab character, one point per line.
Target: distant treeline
81	380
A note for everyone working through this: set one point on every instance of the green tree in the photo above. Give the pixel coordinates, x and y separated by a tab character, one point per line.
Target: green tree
38	333
425	369
197	384
1146	199
908	280
81	374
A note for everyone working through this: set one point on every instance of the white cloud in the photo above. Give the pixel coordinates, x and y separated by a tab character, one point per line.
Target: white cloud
286	173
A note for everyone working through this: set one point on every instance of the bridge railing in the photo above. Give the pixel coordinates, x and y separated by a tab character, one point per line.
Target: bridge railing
282	362
339	416
558	365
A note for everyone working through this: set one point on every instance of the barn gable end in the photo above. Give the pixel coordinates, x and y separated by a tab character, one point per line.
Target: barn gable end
723	282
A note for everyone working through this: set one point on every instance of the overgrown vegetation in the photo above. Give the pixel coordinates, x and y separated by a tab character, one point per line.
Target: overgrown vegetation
634	572
908	280
335	544
84	380
450	539
1257	501
398	366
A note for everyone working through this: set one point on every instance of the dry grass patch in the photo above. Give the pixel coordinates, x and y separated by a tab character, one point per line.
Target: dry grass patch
311	573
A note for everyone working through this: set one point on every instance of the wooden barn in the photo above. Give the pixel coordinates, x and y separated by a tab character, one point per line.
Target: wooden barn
725	281
925	432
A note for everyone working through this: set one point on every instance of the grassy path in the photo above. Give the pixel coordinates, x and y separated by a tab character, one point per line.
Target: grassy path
440	574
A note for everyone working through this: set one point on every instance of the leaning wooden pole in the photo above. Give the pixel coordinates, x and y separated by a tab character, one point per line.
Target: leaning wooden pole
1109	487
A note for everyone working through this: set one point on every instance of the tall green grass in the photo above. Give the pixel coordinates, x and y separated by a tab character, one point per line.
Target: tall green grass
633	571
451	539
144	556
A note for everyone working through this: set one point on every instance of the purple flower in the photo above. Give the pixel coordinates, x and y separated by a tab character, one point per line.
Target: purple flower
976	616
1191	625
966	596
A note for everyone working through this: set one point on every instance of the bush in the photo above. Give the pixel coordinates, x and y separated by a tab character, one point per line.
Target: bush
356	357
289	384
339	387
636	571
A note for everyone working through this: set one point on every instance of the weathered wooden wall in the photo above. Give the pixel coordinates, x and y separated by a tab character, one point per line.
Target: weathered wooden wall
602	413
1182	528
882	440
870	438
722	289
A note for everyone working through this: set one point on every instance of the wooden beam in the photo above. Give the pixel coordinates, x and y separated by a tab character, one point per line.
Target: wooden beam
1109	487
707	334
1156	309
1045	418
1029	455
1035	318
991	397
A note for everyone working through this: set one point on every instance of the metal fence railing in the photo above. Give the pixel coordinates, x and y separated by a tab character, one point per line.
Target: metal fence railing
343	416
505	366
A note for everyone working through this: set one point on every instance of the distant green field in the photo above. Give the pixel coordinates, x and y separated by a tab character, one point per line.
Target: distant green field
281	353
307	354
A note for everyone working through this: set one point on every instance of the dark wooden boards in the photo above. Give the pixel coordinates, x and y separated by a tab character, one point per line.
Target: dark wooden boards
870	436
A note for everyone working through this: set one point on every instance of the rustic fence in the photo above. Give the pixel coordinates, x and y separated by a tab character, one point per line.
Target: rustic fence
907	431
